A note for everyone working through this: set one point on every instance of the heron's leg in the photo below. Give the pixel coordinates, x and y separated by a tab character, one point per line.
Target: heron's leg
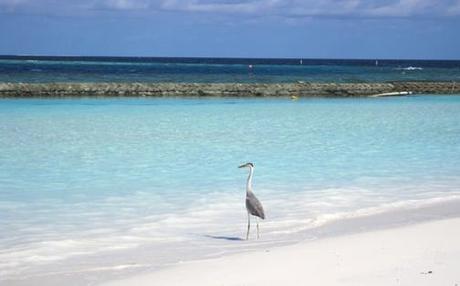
257	221
249	226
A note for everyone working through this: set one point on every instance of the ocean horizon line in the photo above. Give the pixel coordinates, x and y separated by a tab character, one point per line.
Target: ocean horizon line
219	58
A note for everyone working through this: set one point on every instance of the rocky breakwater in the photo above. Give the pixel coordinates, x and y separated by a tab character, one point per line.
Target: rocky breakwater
299	89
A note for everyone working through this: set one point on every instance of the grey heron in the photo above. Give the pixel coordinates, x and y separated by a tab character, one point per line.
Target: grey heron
253	205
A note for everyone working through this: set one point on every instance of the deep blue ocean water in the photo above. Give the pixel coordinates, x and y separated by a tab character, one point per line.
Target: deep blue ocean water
127	183
116	69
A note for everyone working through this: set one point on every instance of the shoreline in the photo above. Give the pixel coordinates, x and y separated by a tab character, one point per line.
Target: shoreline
132	265
294	90
344	235
422	253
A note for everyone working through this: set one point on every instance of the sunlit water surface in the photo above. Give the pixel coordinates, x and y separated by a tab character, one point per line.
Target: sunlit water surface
89	186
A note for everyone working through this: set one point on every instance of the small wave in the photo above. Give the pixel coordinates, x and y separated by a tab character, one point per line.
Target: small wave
410	68
286	226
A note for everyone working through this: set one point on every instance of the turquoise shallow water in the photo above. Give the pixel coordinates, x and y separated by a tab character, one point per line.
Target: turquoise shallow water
92	179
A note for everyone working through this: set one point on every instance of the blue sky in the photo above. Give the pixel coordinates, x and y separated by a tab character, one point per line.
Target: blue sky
418	29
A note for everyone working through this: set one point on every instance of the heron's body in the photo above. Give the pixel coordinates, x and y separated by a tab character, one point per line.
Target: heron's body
253	205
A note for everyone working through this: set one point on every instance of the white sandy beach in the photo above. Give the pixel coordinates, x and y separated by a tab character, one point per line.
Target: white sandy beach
421	254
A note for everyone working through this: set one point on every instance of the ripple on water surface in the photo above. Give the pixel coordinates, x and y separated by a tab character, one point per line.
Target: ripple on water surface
93	179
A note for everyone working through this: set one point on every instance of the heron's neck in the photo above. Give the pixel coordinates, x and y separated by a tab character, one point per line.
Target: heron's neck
249	182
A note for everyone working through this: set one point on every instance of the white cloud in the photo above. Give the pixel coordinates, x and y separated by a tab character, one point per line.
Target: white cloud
247	7
12	2
404	8
322	8
126	4
454	9
318	8
11	5
280	8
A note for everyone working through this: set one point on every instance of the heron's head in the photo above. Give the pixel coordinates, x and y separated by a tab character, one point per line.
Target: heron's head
247	165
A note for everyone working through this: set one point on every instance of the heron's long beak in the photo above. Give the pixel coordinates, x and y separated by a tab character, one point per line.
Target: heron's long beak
242	166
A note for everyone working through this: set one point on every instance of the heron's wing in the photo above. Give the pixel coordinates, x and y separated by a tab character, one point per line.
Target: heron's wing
254	206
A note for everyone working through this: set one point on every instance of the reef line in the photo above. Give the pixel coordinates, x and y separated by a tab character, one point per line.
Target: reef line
299	89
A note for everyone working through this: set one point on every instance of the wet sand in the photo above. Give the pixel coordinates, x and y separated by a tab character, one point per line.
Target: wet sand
420	254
